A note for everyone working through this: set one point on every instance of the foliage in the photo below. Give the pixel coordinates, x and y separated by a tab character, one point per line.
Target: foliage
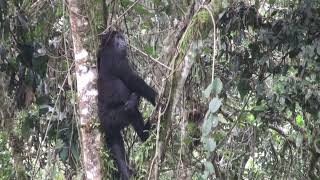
36	64
257	119
6	169
211	121
273	57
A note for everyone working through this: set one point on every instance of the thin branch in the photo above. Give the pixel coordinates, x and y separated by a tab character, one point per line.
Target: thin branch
49	122
235	123
157	154
125	12
214	39
153	59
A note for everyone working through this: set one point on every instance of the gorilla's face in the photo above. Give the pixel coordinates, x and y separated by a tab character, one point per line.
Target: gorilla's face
116	41
119	42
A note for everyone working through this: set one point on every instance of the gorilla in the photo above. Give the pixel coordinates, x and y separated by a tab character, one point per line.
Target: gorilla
119	91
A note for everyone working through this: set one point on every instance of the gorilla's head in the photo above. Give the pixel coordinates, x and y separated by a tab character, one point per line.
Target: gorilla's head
114	40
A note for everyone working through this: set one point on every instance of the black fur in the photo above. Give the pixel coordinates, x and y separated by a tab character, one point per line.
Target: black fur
118	100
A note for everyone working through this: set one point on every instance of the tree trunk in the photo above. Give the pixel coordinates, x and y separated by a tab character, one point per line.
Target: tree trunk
87	92
198	19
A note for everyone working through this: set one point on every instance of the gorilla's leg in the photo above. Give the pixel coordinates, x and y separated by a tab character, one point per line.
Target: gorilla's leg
114	119
118	115
137	122
115	143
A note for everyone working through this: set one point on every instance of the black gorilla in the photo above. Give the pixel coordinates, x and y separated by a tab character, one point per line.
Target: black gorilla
118	99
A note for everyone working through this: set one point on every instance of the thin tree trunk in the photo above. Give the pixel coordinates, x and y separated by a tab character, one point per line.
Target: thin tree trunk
197	20
87	93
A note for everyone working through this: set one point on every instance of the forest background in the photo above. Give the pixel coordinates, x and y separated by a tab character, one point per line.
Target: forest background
238	84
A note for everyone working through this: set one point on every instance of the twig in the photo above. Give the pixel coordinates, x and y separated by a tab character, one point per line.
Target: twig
157	155
153	59
49	122
214	39
125	12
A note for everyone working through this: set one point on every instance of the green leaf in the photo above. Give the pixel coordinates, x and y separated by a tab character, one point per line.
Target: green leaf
288	114
205	175
222	119
299	120
271	2
59	144
215	104
208	167
137	7
211	122
141	10
207	91
207	126
217	86
64	154
150	51
261	107
209	144
214	120
75	152
27	126
250	118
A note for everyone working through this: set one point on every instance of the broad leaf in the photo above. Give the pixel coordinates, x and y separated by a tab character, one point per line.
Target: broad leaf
207	91
209	144
215	104
215	121
217	86
222	119
207	125
299	120
209	167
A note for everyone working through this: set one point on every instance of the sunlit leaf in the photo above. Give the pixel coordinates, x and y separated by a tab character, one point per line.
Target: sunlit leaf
222	119
250	117
299	120
215	121
215	104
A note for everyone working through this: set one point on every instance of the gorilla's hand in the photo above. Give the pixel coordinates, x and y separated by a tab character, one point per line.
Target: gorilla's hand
132	103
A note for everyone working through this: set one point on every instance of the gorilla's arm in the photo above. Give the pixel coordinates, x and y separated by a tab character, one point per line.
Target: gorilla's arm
134	82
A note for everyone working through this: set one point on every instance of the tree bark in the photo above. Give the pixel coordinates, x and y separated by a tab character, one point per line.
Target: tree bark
87	93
